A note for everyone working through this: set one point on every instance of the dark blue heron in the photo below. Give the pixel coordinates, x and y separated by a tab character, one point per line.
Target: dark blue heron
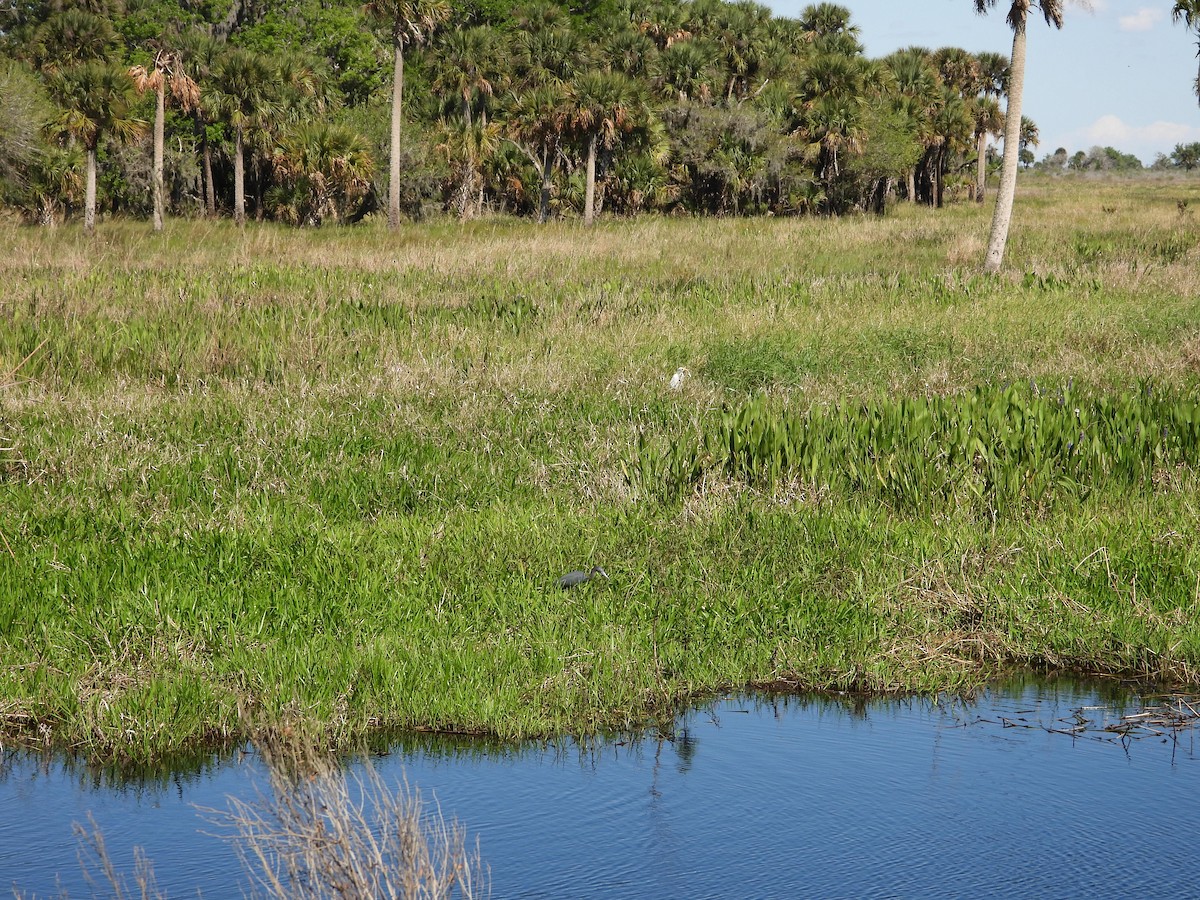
579	577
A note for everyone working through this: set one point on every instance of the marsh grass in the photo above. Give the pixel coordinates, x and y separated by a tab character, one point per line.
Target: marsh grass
334	474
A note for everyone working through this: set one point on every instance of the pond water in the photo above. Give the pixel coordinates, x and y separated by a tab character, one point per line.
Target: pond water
1019	792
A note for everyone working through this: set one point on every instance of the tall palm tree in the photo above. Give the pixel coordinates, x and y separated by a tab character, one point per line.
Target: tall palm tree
163	72
243	92
411	22
919	95
96	100
988	120
994	74
199	52
1189	12
1052	11
601	106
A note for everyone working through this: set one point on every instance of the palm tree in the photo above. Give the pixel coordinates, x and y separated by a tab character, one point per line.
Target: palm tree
739	37
534	128
988	120
412	22
71	36
468	147
601	106
919	95
1189	12
993	71
465	57
199	52
685	71
994	74
162	72
243	93
1030	136
1052	11
323	169
96	101
827	26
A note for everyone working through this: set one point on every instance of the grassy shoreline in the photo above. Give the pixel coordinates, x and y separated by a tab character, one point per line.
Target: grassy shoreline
330	477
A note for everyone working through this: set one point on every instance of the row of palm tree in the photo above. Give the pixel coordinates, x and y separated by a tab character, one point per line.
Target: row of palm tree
666	99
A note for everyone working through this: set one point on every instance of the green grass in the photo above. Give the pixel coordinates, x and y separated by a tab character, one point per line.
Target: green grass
330	477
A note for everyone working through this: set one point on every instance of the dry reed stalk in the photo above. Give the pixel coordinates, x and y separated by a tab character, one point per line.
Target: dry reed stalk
93	854
323	832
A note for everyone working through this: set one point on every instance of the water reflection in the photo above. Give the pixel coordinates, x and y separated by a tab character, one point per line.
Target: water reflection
1026	789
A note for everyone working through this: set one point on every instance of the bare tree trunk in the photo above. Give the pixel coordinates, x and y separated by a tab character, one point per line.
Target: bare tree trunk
544	193
589	201
160	113
981	167
939	177
210	190
1002	218
912	185
89	194
239	179
394	158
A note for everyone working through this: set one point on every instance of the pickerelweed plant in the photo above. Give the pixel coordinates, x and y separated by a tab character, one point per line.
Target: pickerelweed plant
996	450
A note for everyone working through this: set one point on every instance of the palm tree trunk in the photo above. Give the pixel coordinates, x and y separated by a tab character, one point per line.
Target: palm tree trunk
89	193
589	201
160	113
1002	217
239	179
210	191
935	178
544	194
981	167
912	185
394	157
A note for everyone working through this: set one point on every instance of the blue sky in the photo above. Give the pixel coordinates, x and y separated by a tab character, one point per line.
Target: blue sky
1120	75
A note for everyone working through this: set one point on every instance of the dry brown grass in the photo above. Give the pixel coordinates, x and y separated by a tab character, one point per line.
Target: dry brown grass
321	831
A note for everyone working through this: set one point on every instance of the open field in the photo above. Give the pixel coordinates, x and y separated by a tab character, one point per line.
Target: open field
330	477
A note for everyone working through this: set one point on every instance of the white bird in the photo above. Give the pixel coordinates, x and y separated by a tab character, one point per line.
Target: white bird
677	379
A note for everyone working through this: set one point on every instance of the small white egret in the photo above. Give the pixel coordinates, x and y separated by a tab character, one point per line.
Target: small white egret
677	379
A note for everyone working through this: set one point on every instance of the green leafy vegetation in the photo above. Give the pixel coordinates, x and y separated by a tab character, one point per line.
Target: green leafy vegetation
330	477
996	450
310	113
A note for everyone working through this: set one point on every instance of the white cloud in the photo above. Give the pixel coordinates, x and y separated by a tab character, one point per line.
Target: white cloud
1111	130
1143	141
1142	20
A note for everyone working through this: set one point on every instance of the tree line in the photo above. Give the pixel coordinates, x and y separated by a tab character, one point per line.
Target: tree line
329	110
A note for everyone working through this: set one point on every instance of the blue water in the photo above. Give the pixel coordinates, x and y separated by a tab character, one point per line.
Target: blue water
750	797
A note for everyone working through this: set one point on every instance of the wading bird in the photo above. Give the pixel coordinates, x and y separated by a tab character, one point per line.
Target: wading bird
677	379
579	577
